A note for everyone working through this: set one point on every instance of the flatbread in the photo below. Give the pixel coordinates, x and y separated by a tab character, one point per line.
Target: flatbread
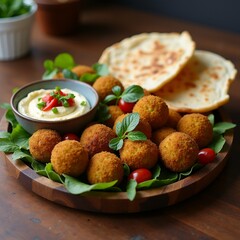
148	59
202	85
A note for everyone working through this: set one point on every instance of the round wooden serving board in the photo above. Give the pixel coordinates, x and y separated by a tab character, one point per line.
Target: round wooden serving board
117	202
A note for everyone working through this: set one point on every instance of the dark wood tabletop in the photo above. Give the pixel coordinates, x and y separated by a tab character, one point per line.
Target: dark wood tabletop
214	213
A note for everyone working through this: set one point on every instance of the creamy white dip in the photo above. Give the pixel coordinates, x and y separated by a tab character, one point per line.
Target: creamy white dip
29	106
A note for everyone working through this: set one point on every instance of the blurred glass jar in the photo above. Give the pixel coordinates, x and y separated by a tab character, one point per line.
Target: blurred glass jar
58	17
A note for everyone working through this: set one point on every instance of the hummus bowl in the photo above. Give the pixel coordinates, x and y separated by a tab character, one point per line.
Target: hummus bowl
63	125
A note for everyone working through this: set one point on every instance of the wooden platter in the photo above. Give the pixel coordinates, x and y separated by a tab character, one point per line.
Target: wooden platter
117	202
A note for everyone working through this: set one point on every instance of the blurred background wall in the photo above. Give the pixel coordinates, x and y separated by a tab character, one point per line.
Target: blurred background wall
222	14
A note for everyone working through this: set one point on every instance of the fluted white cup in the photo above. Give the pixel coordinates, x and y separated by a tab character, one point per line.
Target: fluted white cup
15	33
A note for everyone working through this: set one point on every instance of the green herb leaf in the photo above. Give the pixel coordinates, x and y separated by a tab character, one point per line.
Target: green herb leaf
20	137
109	98
69	74
132	93
222	127
5	106
130	122
19	154
7	146
102	113
156	171
89	77
211	119
117	91
131	189
217	143
136	136
52	174
100	69
64	60
116	143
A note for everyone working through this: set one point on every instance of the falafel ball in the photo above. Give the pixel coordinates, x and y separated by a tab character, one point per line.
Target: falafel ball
161	133
96	138
104	84
42	142
153	109
105	167
178	152
198	127
139	154
115	111
69	157
173	118
143	125
79	70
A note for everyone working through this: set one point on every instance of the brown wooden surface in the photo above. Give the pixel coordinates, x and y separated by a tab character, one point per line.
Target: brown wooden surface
214	213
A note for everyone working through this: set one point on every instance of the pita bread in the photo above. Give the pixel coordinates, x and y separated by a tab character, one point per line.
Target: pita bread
201	86
148	59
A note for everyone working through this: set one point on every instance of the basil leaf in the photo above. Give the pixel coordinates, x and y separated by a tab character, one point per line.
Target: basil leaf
69	74
100	69
156	172
132	93
49	74
217	143
64	60
211	119
130	122
109	98
89	77
117	90
136	136
116	143
222	127
126	169
131	189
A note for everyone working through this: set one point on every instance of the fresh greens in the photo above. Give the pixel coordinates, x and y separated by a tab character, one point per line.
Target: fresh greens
64	62
16	142
131	94
125	129
13	8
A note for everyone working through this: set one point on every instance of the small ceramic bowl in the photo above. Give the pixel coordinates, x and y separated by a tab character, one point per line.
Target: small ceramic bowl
73	125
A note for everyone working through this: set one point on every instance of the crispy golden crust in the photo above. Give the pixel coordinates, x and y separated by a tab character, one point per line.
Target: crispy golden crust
153	109
41	144
173	119
105	167
81	69
96	137
139	154
161	133
178	152
69	157
103	85
143	125
115	112
198	127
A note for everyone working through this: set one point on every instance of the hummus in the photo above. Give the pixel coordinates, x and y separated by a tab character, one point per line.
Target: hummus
28	106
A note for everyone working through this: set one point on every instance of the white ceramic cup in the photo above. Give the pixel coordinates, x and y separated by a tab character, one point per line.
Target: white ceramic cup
15	34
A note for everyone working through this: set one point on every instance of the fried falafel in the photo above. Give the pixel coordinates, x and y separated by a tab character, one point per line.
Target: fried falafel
104	84
178	152
79	70
173	119
198	127
161	133
139	154
42	142
105	167
115	111
69	157
96	137
153	109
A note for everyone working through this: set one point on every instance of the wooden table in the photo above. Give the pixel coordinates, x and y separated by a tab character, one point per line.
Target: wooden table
212	214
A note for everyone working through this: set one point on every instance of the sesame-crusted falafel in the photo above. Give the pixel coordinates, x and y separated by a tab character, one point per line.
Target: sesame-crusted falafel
139	154
42	142
69	157
96	138
104	84
153	109
105	167
198	127
178	152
